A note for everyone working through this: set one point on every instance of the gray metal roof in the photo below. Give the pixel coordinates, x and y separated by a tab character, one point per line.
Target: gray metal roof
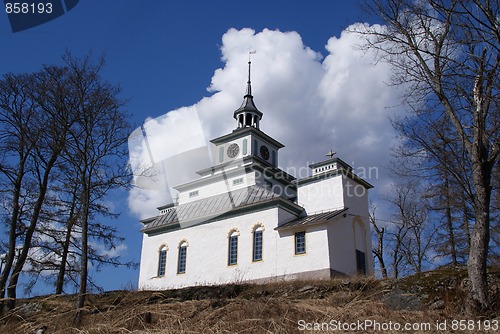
208	208
312	219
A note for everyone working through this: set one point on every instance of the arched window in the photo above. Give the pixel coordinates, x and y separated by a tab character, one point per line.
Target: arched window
162	260
232	254
257	243
181	260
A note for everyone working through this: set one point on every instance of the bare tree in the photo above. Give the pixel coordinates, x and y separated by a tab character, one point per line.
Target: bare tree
97	152
398	235
54	120
17	140
418	240
447	53
441	169
380	250
410	233
63	147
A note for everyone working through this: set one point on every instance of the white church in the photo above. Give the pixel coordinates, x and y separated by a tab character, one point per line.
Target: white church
246	220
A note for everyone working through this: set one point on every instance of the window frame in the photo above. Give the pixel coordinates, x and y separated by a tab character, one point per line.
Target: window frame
161	270
232	250
259	230
238	181
303	247
182	258
221	154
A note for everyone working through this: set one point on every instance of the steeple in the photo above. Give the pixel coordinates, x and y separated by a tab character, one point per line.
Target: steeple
247	114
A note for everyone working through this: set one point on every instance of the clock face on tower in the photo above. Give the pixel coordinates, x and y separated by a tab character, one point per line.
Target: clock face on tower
233	150
264	152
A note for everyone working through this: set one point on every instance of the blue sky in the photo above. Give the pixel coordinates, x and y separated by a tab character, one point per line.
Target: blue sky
164	55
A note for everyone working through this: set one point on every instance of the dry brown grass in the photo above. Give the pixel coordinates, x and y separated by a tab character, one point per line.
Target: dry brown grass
242	308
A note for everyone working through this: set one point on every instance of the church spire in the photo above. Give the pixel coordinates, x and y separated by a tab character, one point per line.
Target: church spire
247	115
249	82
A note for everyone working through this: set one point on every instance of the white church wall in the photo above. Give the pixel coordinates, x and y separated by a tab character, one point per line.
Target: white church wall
356	199
207	253
285	216
359	234
321	195
345	235
314	259
148	256
355	196
327	246
341	246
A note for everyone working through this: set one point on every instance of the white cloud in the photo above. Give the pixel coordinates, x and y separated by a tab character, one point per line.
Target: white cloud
310	104
109	252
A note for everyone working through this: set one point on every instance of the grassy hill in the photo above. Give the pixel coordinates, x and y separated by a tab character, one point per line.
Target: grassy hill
423	301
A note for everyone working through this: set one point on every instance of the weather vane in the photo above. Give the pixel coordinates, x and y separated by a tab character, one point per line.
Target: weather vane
330	154
250	52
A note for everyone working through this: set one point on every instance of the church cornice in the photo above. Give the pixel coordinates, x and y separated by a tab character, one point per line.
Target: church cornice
241	132
219	174
147	220
334	173
226	166
234	168
311	220
339	161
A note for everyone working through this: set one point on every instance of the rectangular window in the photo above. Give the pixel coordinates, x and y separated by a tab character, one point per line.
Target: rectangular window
237	181
300	243
361	262
257	245
233	250
181	263
162	262
193	193
221	154
245	143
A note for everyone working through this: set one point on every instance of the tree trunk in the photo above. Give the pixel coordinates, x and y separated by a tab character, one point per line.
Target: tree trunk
449	223
396	260
66	244
476	266
21	260
11	252
465	223
379	253
64	258
82	292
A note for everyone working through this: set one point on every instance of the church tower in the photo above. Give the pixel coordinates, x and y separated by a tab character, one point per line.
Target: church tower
245	157
247	115
247	139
